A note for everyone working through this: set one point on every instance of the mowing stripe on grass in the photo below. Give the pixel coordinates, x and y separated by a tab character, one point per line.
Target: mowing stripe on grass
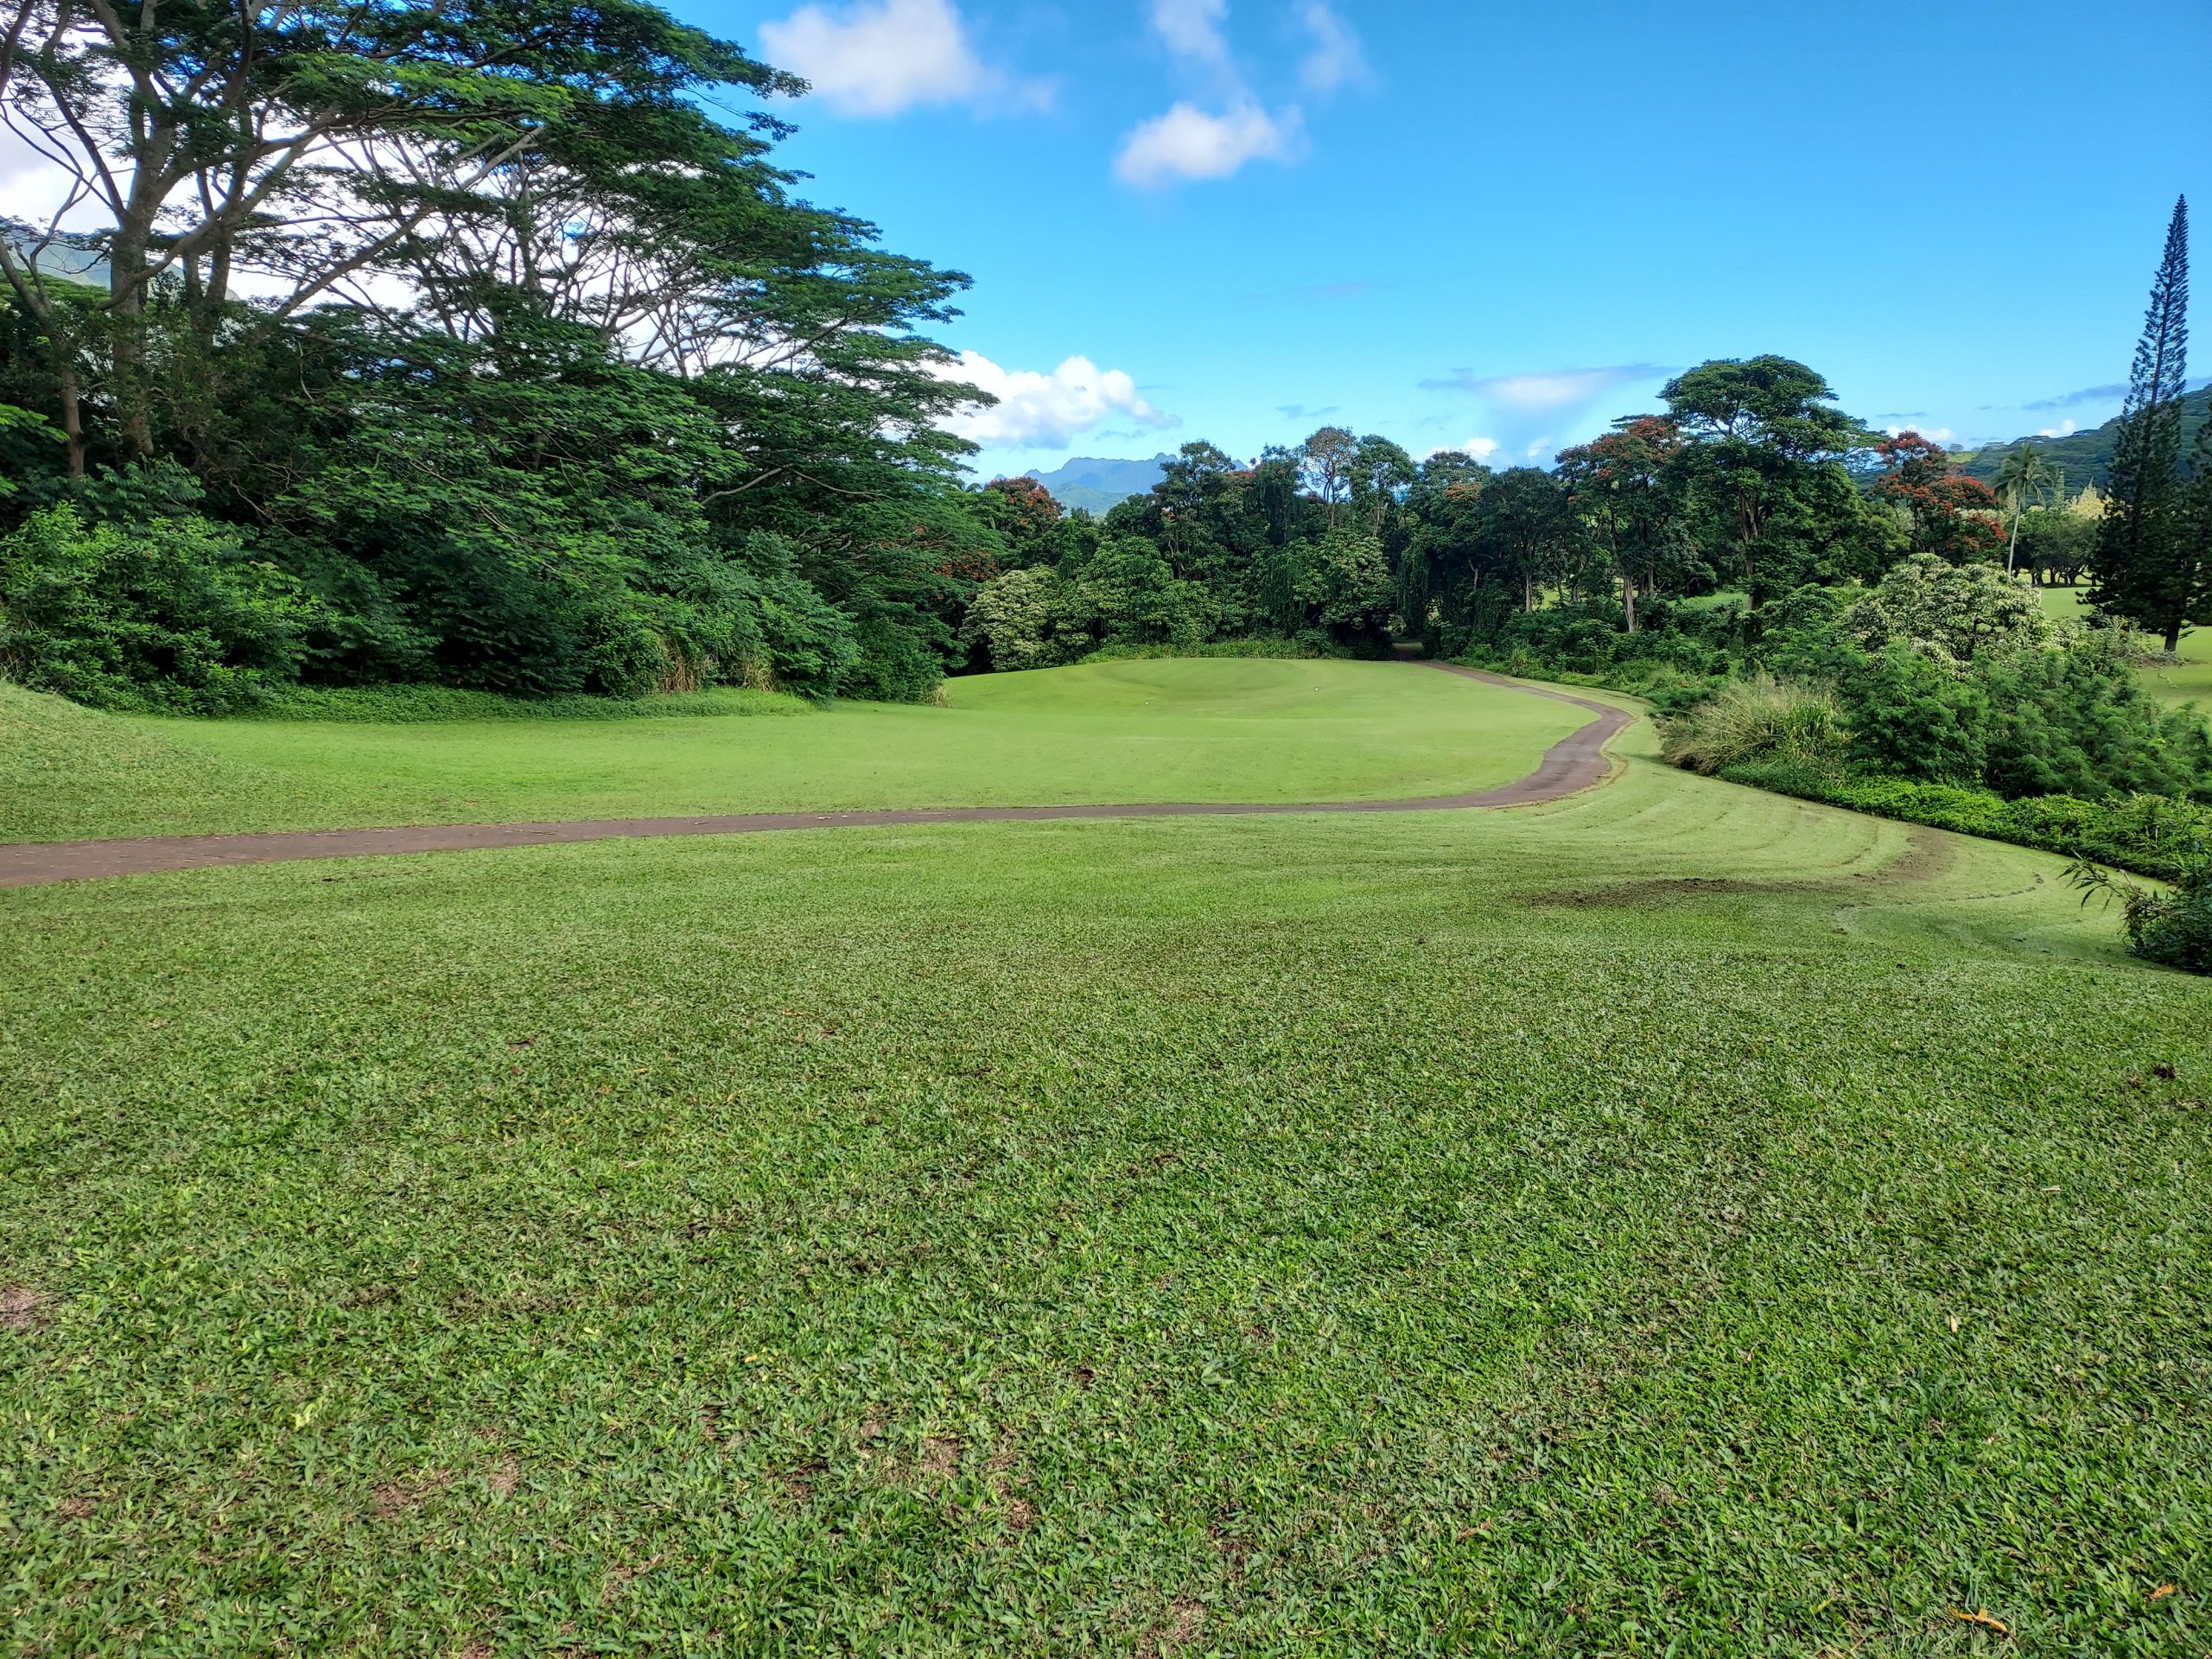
1574	763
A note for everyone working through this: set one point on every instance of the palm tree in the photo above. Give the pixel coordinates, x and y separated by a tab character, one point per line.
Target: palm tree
2025	480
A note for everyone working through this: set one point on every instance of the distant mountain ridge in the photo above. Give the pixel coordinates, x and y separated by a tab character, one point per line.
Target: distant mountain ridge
2084	456
1095	483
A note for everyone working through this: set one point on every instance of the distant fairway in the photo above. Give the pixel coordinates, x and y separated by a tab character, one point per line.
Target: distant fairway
1675	1215
1207	730
2191	682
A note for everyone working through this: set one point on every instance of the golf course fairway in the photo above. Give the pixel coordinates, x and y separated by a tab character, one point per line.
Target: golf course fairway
1206	730
1670	1216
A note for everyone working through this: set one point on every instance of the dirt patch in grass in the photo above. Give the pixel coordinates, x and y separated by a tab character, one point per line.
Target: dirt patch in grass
1928	854
22	1309
392	1498
1185	1618
1636	895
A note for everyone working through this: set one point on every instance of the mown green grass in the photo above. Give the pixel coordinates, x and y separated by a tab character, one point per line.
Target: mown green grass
1673	1219
2188	681
1122	732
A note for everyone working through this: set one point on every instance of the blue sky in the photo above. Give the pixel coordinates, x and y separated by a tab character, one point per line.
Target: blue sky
1502	225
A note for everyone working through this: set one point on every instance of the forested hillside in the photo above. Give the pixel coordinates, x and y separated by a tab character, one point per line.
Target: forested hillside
1094	485
2083	457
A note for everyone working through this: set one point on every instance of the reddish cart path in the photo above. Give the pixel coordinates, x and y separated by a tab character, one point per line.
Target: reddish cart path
1573	763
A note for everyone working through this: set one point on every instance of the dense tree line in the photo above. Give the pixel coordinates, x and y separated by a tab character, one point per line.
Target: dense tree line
1750	480
463	344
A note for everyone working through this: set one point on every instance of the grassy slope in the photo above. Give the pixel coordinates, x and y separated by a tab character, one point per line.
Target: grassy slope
1148	731
1676	1213
2190	681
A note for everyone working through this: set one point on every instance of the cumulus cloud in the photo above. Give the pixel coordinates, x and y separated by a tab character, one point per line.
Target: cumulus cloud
1933	434
1186	142
34	187
1192	29
1046	410
2064	430
1531	411
1336	58
1480	448
1215	136
880	57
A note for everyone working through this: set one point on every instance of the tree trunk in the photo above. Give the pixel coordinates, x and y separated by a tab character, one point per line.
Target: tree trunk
2013	550
1628	600
2173	637
73	418
1529	595
128	256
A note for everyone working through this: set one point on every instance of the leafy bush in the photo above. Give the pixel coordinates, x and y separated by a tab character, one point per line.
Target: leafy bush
1306	647
168	613
809	641
1031	617
1952	613
1759	719
2173	928
1912	716
891	664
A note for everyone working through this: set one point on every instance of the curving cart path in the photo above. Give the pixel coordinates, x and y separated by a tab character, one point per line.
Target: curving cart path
1573	763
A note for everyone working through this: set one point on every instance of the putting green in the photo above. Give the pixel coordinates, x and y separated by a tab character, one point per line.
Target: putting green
1203	730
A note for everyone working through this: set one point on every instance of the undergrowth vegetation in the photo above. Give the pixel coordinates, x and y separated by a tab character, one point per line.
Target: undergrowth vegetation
2173	928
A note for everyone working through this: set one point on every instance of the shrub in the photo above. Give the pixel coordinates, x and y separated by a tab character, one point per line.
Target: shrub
891	664
1759	719
172	613
1031	617
2173	928
1306	646
811	644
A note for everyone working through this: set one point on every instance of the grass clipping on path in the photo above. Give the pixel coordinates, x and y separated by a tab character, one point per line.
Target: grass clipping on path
1677	1215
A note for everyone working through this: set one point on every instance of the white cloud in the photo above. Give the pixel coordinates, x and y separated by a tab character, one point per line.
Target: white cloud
1215	139
1046	410
879	57
2064	430
1933	434
1550	389
1186	142
1532	412
1192	29
1480	448
1336	58
35	188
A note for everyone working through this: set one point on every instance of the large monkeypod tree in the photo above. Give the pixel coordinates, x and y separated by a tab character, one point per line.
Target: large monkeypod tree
322	224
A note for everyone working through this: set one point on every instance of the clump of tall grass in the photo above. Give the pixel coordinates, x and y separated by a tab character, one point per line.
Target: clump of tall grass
1759	719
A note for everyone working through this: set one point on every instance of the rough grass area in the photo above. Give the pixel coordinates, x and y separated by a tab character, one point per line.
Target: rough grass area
1678	1218
1122	732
